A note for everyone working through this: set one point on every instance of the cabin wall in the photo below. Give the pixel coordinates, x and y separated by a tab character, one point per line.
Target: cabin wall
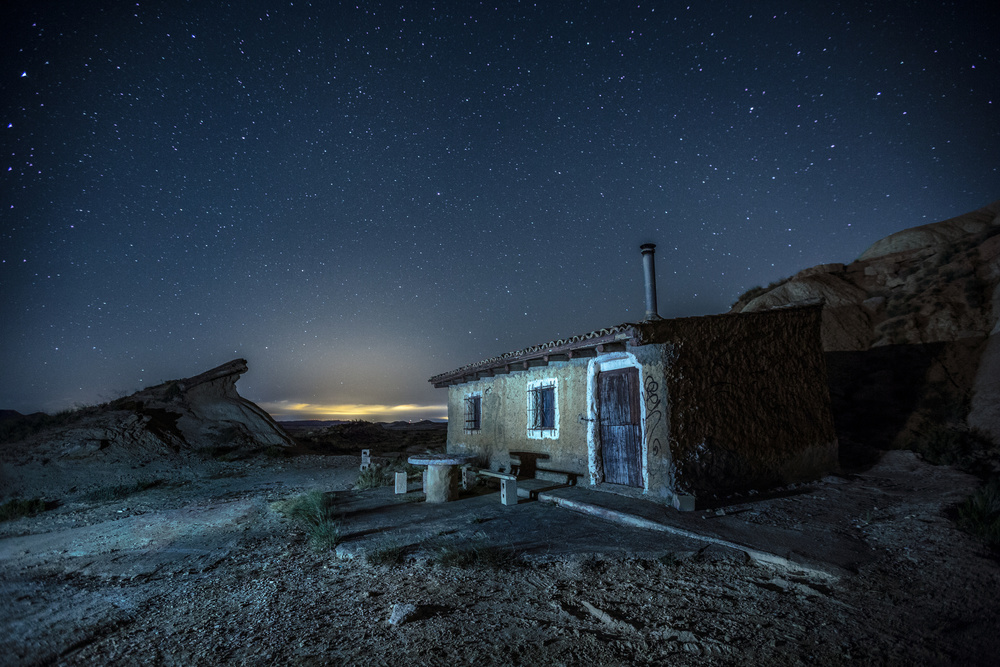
577	449
504	422
750	407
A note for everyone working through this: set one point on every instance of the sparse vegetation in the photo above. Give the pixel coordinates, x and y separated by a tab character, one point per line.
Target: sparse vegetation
173	390
21	428
349	437
17	508
477	555
121	491
381	474
979	515
313	511
388	552
325	535
277	452
670	560
374	476
956	445
757	291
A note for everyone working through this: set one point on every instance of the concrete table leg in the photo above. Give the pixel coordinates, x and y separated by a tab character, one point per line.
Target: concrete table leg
442	483
442	474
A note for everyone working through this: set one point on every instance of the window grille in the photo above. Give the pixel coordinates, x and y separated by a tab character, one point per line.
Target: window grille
473	413
542	407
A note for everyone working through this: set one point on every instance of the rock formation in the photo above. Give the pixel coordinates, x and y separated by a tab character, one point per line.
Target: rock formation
208	411
155	429
912	324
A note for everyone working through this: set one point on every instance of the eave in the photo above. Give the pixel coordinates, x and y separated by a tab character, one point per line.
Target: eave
612	339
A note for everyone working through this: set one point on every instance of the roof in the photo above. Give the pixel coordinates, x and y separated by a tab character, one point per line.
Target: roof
589	344
601	341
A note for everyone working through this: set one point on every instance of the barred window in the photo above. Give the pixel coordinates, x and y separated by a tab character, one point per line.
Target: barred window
473	413
542	408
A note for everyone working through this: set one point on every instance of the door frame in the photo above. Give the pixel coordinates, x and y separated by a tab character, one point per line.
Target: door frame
595	461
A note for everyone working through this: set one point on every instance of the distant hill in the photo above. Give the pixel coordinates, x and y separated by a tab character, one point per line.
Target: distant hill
352	436
911	329
296	427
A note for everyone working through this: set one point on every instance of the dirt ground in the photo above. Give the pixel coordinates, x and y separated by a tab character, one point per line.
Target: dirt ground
204	571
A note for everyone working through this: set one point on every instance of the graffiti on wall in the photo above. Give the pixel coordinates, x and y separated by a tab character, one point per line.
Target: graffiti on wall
654	413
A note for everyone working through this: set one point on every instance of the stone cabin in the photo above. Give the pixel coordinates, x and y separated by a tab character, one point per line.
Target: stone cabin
671	409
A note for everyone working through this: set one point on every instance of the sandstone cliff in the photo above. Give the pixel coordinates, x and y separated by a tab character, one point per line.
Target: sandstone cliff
910	327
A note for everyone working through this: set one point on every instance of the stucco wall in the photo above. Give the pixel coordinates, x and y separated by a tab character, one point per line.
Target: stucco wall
749	404
577	448
504	426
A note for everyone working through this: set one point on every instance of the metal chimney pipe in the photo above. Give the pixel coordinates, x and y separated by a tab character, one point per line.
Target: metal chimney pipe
649	270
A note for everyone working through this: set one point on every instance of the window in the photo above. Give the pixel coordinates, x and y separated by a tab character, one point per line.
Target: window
543	411
473	412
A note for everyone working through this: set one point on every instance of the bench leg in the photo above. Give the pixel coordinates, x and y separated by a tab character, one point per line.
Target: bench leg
468	478
508	491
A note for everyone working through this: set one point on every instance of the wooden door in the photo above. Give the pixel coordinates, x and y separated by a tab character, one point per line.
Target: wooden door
621	429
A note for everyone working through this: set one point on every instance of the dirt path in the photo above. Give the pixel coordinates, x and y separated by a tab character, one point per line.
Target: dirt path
207	572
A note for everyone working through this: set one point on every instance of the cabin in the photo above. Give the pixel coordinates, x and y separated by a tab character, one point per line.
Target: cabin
669	409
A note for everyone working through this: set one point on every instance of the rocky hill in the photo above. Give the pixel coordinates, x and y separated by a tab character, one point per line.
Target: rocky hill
133	436
910	329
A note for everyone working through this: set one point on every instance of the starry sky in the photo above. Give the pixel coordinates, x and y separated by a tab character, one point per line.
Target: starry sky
357	196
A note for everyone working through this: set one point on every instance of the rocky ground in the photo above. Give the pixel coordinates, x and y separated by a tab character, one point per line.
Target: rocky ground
204	570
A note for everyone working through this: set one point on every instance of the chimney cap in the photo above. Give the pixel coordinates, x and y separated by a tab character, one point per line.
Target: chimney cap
647	247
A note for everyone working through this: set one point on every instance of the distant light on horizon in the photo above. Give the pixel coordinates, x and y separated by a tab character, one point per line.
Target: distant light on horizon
290	411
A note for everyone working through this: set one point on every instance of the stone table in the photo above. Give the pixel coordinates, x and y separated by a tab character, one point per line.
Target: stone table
442	474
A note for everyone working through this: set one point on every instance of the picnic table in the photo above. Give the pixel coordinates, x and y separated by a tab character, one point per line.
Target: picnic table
442	474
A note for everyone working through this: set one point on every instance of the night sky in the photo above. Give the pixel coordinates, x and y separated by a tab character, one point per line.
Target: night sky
357	197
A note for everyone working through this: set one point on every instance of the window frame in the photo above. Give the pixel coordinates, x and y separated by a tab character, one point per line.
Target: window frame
473	404
538	426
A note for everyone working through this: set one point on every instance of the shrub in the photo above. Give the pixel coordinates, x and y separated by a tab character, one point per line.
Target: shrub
373	477
478	556
25	426
278	452
326	535
385	553
17	508
979	515
955	445
670	560
172	391
381	474
314	512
